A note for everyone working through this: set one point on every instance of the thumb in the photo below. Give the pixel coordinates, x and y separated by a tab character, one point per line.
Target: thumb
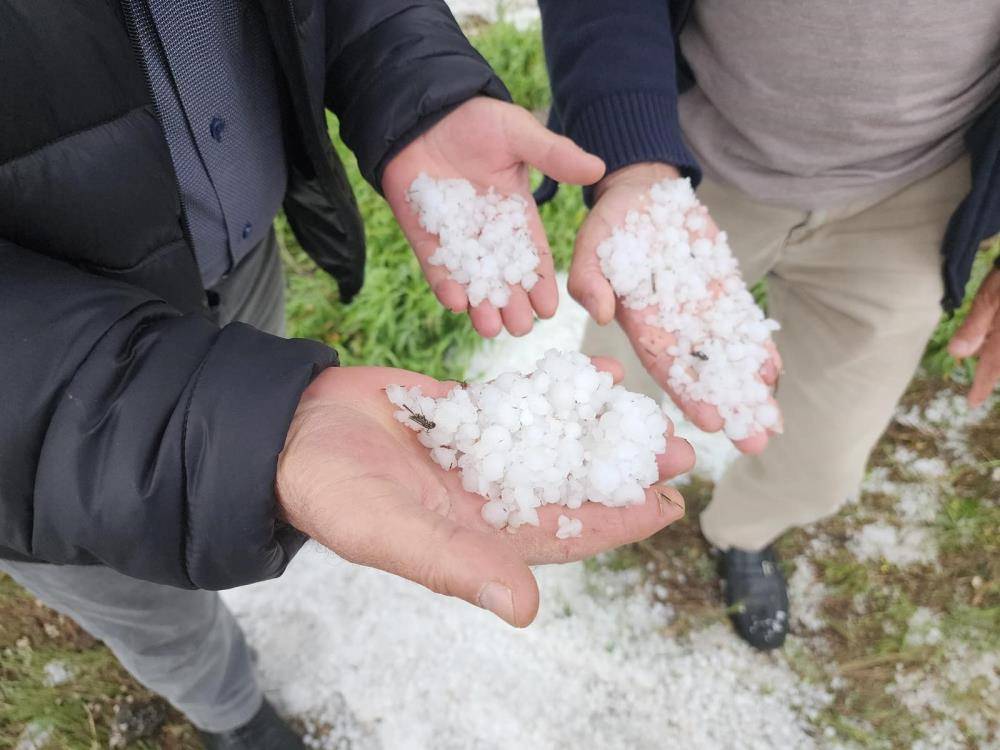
587	283
479	568
972	333
396	532
553	155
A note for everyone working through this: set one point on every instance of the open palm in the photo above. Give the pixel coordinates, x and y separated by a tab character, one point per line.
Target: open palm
618	194
360	483
491	144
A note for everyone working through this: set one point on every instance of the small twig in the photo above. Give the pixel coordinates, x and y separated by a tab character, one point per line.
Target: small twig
867	662
667	499
658	554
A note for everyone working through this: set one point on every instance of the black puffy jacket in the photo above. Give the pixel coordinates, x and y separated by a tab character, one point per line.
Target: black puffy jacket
134	432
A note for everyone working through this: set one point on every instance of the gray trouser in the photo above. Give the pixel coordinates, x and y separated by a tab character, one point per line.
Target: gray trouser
184	645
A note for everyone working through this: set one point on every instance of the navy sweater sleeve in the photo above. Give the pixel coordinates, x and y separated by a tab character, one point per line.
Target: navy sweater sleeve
614	80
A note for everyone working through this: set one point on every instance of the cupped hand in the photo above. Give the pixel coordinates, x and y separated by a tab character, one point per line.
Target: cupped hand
491	144
618	193
980	335
357	481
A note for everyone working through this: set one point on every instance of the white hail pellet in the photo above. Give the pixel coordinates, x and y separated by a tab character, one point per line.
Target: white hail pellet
564	434
717	335
569	527
484	240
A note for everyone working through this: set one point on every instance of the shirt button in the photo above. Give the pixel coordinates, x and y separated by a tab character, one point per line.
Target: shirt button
247	228
216	127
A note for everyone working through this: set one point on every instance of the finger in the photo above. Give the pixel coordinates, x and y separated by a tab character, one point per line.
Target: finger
554	155
587	283
449	292
770	371
973	331
544	295
679	458
754	444
604	528
610	365
486	320
517	315
987	370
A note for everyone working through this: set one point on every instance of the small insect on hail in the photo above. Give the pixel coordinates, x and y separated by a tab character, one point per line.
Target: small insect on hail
420	419
700	355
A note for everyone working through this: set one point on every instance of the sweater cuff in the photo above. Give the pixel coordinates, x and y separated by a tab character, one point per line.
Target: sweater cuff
633	127
246	393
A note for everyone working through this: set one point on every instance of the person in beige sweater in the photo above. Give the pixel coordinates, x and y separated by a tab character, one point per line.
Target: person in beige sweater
838	146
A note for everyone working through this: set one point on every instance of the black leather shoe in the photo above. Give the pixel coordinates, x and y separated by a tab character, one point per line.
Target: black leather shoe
265	731
757	597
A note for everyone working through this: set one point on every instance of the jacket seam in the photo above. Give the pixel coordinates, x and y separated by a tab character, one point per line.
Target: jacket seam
161	250
59	398
66	136
185	497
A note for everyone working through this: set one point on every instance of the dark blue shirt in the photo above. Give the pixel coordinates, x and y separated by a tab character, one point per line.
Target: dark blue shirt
214	82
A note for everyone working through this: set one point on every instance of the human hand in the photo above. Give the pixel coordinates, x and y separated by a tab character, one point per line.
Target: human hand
980	334
616	195
491	144
357	481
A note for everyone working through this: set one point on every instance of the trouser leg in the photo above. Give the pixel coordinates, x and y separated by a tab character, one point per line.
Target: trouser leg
857	296
182	644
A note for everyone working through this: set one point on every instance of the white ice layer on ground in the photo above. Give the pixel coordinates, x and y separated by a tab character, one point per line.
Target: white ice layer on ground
521	13
388	665
562	434
685	283
392	666
485	242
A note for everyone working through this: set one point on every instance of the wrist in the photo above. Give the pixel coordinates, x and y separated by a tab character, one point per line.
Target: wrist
642	173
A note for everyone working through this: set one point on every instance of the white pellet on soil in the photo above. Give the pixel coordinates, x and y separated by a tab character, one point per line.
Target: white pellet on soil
563	434
484	239
389	665
691	289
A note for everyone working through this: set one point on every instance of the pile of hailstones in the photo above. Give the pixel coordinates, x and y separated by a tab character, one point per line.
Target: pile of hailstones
693	286
484	239
560	435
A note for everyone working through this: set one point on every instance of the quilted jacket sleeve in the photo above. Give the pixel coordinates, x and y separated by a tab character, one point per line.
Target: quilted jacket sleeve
137	437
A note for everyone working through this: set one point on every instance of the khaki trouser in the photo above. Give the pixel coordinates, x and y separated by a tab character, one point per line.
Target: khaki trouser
856	290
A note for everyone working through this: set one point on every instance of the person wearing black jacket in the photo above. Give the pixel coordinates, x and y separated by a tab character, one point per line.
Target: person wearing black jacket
159	439
852	154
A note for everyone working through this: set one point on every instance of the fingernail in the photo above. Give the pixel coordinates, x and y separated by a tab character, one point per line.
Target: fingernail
499	600
591	303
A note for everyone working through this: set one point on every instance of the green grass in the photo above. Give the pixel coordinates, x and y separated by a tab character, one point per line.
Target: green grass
77	714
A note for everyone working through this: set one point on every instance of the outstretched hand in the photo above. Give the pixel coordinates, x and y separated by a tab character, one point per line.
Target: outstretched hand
980	335
357	481
616	195
491	144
